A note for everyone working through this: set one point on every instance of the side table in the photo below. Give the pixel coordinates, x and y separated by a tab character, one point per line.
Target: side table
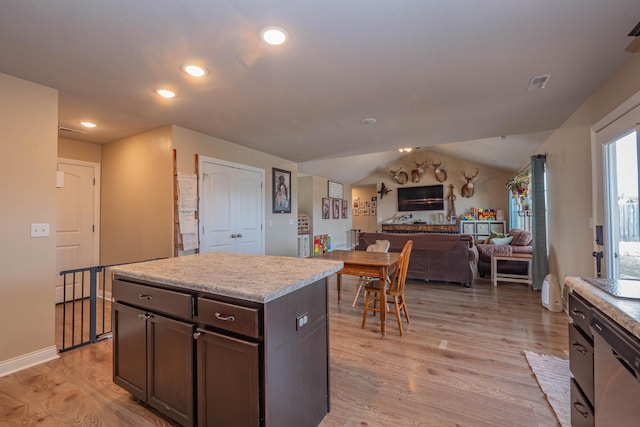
506	277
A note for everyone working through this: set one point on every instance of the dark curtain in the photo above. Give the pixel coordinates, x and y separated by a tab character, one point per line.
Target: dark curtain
540	266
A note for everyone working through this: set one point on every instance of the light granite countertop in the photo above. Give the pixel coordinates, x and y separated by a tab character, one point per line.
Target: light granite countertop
623	310
257	278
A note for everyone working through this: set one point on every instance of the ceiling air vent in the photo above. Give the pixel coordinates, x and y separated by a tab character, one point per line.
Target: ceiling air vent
539	82
65	129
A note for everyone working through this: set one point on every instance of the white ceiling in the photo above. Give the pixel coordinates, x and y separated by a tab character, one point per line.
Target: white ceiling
448	75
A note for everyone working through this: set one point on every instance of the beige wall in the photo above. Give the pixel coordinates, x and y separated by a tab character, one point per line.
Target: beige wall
280	229
315	188
29	122
490	190
137	198
77	150
568	149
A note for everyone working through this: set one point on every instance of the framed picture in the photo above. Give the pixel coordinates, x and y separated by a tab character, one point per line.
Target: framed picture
365	211
372	211
356	205
336	209
374	203
281	191
326	208
355	212
345	209
335	190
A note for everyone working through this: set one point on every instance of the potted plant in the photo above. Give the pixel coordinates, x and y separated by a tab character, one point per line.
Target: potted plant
519	184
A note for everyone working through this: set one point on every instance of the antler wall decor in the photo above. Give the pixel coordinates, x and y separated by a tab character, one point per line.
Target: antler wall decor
439	172
399	175
418	172
467	189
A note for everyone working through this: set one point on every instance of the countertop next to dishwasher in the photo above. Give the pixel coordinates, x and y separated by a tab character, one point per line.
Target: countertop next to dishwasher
626	312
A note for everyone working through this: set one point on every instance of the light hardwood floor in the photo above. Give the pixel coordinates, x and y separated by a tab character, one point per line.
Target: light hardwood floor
460	363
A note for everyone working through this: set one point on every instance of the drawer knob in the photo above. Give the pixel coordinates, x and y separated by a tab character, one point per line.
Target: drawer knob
224	318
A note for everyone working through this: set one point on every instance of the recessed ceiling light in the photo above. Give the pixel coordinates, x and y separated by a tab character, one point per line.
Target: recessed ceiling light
165	93
88	124
194	70
404	150
274	35
368	121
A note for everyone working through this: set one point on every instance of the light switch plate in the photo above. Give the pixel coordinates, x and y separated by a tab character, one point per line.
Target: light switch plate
39	230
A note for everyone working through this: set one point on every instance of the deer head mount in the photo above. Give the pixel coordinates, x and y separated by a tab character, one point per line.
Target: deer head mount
467	189
418	172
439	172
399	176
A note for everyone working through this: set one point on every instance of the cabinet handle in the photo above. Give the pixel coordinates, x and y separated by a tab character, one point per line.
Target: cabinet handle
578	407
229	318
147	297
144	316
578	313
580	348
196	335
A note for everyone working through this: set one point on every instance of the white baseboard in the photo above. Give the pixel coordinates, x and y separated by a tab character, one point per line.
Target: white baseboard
28	360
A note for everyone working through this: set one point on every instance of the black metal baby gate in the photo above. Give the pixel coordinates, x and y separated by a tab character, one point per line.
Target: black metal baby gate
84	315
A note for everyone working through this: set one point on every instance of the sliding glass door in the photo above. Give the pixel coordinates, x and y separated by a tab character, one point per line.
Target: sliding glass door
623	216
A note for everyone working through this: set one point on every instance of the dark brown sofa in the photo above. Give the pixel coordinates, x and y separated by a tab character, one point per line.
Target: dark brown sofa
441	257
521	244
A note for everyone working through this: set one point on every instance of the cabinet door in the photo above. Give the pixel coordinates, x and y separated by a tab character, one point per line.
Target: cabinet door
468	228
170	368
228	381
130	350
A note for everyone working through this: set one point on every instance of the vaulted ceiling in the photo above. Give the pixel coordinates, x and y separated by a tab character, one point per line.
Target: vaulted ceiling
450	76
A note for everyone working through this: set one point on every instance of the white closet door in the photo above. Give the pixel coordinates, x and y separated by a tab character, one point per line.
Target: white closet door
231	207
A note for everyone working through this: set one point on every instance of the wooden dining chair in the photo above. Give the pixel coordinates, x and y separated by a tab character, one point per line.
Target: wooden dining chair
394	290
378	246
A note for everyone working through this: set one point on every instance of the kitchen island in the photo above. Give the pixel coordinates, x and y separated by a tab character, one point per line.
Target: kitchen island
225	339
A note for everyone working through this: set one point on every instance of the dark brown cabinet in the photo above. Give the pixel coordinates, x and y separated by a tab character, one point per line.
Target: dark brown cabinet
581	361
153	360
212	360
228	381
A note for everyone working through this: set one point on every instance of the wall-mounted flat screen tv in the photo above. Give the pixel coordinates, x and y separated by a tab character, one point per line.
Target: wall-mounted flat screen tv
425	198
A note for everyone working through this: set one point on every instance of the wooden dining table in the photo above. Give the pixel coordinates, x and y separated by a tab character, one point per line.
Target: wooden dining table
367	264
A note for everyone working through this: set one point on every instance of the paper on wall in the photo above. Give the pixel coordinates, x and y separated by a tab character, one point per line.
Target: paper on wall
187	192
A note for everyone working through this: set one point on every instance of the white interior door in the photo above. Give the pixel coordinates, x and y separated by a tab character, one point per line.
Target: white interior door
231	207
77	224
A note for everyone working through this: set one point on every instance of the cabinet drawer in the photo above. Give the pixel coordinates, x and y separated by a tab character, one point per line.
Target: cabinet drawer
155	299
581	361
580	313
581	412
230	317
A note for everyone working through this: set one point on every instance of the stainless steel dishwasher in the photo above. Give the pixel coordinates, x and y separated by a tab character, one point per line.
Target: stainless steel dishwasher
616	367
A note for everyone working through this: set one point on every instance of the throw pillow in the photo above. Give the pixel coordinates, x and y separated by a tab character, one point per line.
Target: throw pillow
501	240
523	238
493	236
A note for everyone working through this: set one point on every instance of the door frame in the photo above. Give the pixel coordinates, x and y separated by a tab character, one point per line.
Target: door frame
204	159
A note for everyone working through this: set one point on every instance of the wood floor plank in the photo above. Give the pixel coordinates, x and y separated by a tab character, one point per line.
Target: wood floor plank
460	363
